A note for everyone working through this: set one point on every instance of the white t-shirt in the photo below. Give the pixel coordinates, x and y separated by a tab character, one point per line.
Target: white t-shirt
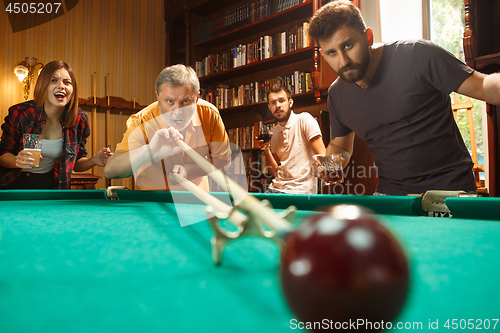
291	143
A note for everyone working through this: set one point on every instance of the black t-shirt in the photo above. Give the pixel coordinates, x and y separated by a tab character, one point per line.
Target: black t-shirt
405	118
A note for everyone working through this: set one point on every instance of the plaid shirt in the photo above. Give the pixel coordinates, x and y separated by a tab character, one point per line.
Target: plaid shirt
28	118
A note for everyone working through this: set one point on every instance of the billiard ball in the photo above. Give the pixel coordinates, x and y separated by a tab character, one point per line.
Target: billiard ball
341	266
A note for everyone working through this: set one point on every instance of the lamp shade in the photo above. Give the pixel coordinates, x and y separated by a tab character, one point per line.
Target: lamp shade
21	72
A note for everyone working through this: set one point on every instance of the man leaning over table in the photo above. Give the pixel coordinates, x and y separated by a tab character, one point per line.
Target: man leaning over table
148	148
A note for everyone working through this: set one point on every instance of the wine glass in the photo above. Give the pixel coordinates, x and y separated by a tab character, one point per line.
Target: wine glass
264	133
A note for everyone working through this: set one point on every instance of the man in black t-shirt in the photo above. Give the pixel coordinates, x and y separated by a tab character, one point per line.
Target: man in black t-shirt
396	97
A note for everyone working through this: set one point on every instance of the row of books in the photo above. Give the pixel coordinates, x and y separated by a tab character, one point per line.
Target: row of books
287	4
259	168
263	48
240	171
236	171
246	174
243	15
243	137
224	97
254	175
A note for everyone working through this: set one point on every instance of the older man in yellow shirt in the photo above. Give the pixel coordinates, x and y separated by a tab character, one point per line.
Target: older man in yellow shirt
148	148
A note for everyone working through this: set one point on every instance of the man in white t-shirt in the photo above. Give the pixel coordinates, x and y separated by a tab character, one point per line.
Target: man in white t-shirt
296	138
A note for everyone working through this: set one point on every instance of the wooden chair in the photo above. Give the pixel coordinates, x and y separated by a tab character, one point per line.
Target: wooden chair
477	168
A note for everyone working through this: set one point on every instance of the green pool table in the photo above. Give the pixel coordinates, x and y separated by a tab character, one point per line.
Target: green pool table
75	261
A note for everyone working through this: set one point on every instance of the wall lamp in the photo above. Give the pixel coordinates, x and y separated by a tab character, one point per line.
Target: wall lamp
24	72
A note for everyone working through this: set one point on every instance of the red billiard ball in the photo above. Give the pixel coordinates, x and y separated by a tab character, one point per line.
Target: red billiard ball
344	266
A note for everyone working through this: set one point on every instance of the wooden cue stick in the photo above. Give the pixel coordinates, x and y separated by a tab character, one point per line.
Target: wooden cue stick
106	120
236	218
247	202
94	119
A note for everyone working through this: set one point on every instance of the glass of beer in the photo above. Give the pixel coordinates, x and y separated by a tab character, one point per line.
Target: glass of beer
331	169
32	143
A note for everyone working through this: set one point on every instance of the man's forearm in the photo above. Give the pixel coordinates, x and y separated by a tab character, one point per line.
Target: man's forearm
492	89
119	165
334	149
270	162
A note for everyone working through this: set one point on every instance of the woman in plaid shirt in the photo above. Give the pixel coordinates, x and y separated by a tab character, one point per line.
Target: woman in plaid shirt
53	113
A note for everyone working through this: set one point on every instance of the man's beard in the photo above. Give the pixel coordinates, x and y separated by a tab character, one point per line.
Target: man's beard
283	117
358	70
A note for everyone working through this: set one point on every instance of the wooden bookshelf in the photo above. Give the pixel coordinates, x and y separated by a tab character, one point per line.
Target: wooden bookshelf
482	52
188	42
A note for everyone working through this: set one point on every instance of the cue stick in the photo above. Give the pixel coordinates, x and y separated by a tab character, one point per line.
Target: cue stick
237	218
94	118
248	202
106	120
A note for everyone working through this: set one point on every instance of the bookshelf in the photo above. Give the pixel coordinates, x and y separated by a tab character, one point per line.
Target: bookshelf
248	166
201	30
482	52
218	38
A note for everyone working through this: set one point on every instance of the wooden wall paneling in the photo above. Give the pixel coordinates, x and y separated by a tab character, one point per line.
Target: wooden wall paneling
469	40
116	128
493	122
93	90
91	113
482	52
111	118
121	37
107	141
108	123
100	130
94	134
327	75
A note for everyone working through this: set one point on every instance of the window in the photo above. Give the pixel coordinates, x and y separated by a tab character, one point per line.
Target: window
401	19
441	21
446	26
